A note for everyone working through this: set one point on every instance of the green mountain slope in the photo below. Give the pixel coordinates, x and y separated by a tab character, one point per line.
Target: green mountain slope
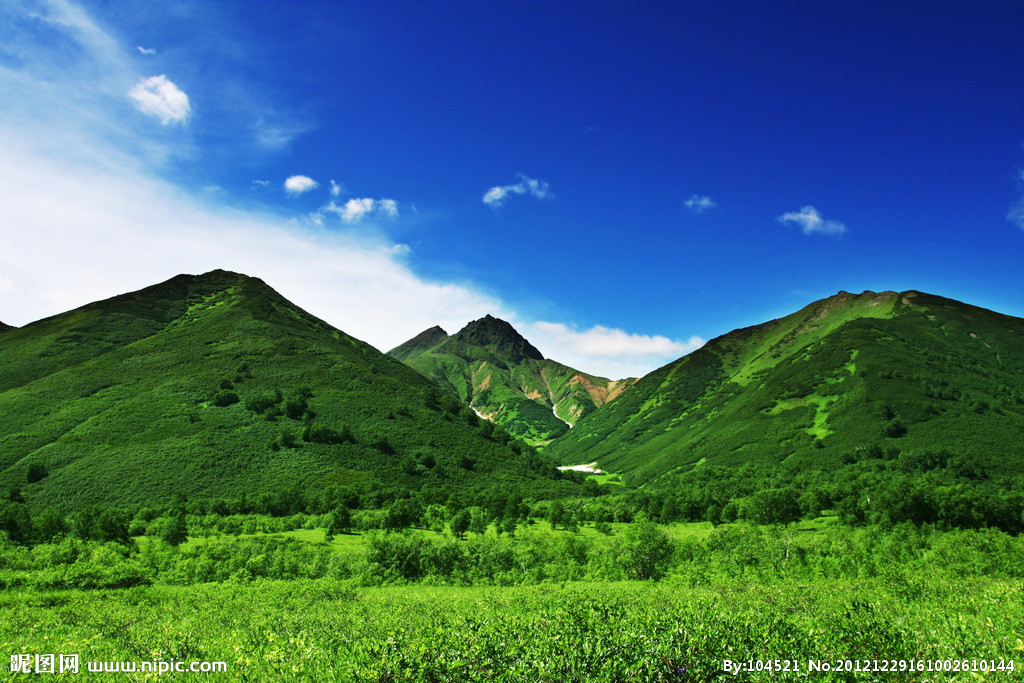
4	327
845	378
504	378
215	385
424	341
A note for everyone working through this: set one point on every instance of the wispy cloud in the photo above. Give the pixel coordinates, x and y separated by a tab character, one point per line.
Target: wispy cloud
811	222
277	136
497	196
299	184
606	351
146	50
158	96
700	204
1016	214
356	209
336	189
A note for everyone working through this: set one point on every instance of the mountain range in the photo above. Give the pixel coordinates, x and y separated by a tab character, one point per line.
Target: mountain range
214	385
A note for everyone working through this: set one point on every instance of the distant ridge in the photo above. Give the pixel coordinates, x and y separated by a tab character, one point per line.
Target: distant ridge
506	379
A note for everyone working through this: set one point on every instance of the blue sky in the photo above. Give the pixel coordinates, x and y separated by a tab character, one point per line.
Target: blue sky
620	180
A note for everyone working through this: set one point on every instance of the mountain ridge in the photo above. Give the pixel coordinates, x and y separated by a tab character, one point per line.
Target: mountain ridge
843	373
504	378
215	384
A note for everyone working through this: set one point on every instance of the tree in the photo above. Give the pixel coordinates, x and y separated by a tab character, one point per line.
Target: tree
556	514
340	522
645	550
36	472
459	524
402	514
773	506
175	531
15	521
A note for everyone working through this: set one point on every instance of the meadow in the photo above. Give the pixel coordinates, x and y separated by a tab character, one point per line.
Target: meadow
630	602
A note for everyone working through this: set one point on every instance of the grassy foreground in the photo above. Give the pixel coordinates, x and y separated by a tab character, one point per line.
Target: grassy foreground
326	629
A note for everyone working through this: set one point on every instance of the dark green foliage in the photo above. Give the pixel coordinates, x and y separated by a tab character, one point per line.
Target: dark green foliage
225	398
175	531
772	506
100	523
36	472
340	521
459	524
15	522
402	514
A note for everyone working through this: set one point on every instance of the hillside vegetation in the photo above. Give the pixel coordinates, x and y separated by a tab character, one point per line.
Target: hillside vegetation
215	385
491	367
913	380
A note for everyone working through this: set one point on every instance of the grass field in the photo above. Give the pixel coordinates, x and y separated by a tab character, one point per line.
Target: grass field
330	630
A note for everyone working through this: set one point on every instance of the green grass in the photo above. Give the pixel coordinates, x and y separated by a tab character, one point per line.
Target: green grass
328	630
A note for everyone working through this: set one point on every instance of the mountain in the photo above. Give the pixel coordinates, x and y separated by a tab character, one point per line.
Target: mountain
4	327
494	369
424	341
888	375
215	385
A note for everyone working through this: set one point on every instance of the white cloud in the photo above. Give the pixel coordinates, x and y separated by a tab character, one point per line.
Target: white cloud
278	136
699	204
355	209
358	208
810	221
336	189
160	97
388	207
1016	214
115	232
299	184
119	226
605	351
497	196
146	50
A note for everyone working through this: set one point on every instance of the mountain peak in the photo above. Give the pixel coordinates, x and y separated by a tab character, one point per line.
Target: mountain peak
424	341
499	335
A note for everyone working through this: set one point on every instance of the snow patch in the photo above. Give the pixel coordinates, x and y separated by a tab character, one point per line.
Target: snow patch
591	468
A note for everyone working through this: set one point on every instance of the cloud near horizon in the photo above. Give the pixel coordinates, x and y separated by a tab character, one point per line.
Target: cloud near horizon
497	196
811	222
605	351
